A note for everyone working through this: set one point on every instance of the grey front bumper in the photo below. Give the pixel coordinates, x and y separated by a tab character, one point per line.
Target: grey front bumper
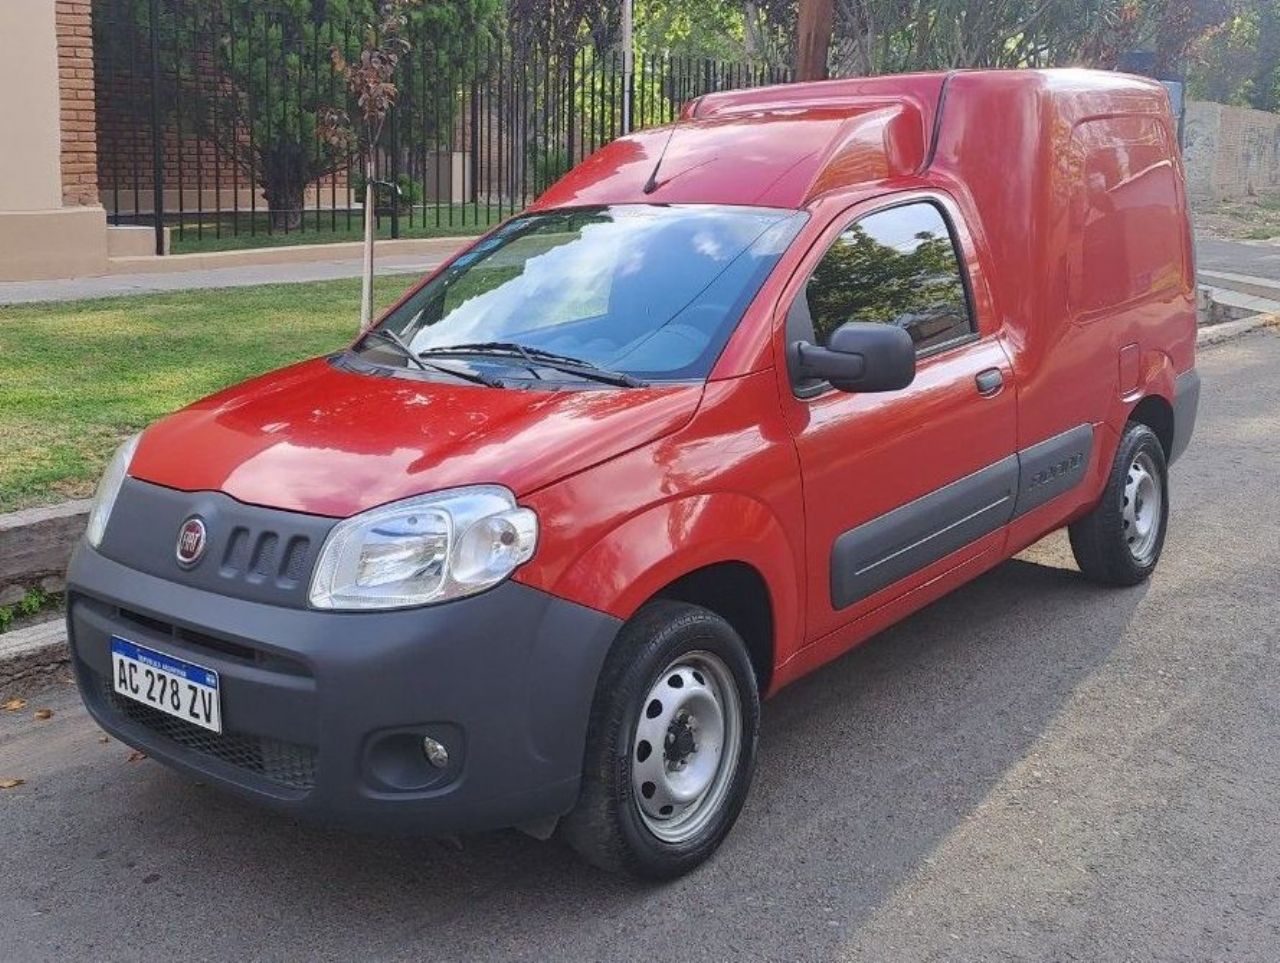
324	713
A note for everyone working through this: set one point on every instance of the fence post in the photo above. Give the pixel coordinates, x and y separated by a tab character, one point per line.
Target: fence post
394	190
628	63
157	135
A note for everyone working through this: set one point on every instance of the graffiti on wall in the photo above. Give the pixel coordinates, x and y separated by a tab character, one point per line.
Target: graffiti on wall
1231	151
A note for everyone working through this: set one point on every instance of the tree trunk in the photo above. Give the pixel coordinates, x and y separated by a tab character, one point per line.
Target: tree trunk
813	40
285	173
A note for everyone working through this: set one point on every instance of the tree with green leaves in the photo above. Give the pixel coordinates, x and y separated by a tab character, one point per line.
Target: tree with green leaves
863	279
891	36
253	76
1237	60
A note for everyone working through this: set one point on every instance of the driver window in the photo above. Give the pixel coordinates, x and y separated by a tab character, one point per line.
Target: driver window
897	266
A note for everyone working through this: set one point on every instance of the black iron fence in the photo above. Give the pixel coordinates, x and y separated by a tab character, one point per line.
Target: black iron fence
208	114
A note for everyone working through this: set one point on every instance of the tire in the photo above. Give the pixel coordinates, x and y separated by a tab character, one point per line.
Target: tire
1120	541
672	667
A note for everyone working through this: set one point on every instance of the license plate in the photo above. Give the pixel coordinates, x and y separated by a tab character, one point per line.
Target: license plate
172	686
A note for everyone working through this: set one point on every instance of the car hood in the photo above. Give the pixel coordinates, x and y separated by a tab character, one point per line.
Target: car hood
319	439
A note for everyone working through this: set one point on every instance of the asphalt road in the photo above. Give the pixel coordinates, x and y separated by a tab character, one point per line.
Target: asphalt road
1033	768
1260	259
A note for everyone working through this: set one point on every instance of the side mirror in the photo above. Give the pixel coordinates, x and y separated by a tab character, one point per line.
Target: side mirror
860	356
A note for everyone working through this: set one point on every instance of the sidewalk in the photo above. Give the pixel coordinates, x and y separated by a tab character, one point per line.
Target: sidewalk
114	285
1213	254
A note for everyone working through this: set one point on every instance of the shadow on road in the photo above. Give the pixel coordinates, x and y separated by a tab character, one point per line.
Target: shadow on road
865	767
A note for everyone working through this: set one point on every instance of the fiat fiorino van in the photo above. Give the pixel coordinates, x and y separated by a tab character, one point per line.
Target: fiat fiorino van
732	396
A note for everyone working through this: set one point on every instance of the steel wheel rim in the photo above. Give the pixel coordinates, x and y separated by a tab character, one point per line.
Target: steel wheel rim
685	747
1142	512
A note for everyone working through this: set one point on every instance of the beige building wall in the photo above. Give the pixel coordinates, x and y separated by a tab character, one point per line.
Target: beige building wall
46	230
29	102
1231	151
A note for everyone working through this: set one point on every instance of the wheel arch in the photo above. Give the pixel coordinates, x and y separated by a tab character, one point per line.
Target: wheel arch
739	594
1156	413
704	549
1151	404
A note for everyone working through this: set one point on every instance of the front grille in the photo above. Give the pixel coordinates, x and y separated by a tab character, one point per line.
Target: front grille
258	556
283	763
209	643
254	553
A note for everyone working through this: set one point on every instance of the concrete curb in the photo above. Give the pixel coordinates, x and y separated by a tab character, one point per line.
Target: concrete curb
1217	333
35	544
31	654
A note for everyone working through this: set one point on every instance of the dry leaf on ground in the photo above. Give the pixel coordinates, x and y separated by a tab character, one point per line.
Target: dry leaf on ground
43	714
11	783
14	705
136	755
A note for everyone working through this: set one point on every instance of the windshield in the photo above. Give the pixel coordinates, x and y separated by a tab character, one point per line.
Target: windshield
649	291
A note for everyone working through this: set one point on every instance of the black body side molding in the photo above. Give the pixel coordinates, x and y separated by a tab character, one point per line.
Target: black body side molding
879	552
1186	399
1052	467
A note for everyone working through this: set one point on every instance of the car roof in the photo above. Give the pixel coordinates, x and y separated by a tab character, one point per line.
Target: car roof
784	145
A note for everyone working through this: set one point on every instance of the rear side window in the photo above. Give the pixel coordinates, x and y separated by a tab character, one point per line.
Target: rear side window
897	266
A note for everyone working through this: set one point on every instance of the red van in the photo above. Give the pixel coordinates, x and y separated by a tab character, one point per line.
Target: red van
734	395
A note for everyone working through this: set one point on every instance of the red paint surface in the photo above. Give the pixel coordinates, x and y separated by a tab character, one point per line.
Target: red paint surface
1075	251
317	439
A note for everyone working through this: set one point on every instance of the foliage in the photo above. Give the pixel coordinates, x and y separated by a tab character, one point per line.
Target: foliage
758	31
254	76
368	79
34	601
1229	46
546	166
863	279
879	36
408	195
1238	60
557	27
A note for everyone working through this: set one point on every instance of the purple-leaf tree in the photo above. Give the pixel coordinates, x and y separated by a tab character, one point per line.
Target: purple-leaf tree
369	82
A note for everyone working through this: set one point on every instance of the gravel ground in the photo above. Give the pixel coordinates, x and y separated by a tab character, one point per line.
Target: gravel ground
1033	768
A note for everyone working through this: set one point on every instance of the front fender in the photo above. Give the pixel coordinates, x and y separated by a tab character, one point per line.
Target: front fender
633	561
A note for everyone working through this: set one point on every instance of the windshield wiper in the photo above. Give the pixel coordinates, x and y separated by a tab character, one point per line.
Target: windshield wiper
548	359
390	337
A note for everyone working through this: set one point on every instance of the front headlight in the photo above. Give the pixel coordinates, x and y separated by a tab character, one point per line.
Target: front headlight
104	498
429	548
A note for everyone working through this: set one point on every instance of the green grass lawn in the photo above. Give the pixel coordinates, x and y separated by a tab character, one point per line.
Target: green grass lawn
78	377
467	221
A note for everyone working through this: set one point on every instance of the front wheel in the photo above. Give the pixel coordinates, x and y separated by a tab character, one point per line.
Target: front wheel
671	744
1120	541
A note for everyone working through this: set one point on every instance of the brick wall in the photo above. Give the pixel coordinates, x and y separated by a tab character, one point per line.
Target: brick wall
75	74
1231	151
124	131
198	173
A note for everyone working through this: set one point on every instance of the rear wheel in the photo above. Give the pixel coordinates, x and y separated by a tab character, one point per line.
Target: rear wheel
671	744
1120	541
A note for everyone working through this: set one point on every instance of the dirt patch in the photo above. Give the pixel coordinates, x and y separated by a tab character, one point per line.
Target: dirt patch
1241	218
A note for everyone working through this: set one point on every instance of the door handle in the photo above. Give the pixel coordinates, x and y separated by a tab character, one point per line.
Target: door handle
989	381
